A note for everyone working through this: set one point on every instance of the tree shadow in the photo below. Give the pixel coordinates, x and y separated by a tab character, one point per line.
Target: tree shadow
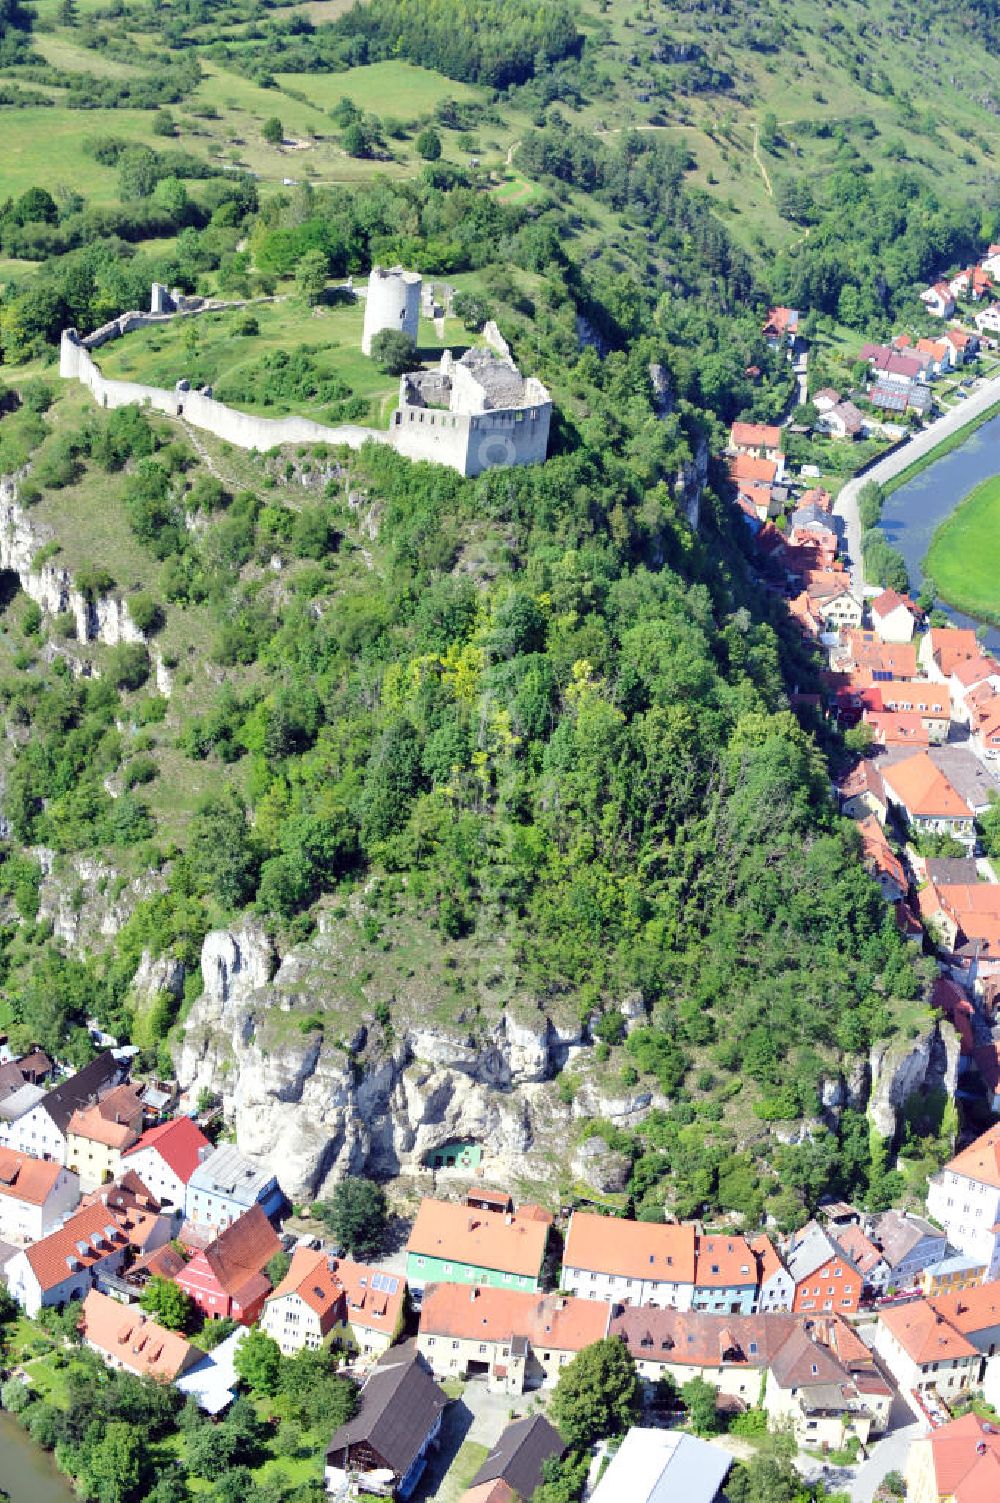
454	1428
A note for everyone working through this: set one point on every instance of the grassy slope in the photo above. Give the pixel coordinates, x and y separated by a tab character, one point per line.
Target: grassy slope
964	556
806	82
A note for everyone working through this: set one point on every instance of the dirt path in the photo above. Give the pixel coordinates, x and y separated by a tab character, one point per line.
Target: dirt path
510	152
760	162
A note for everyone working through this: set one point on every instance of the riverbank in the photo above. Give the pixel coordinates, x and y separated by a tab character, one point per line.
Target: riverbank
898	468
27	1472
944	447
964	557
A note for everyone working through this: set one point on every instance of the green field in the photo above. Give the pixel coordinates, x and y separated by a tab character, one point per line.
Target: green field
397	89
964	556
42	145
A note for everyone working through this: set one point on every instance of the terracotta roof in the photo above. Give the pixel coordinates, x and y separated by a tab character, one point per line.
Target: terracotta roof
486	1239
747	467
27	1179
531	1212
309	1276
863	1254
769	1261
971	1310
897	727
878	853
471	1313
977	670
723	1262
242	1250
374	1296
923	789
755	436
949	645
178	1143
124	1333
86	1238
924	1334
115	1120
932	700
883	605
162	1263
630	1249
490	1492
966	1454
956	1006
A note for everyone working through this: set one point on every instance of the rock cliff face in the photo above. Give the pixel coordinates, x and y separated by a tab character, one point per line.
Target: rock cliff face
900	1070
104	619
314	1107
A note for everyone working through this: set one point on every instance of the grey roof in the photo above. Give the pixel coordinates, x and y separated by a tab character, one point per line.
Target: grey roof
81	1090
956	1263
519	1455
898	1233
811	1249
398	1408
20	1101
663	1466
230	1173
949	871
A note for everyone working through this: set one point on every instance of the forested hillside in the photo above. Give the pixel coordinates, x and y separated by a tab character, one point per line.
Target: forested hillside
533	729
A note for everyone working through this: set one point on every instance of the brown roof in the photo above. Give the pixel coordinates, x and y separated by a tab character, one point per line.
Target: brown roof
864	778
486	1239
398	1407
115	1120
84	1087
630	1249
162	1263
242	1250
27	1179
863	1254
86	1238
898	1234
128	1336
518	1458
698	1339
490	1492
924	1334
482	1314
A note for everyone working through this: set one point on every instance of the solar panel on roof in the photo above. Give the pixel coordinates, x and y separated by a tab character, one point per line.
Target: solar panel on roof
385	1282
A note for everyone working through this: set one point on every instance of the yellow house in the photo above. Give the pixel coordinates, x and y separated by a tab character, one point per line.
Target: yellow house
951	1275
98	1135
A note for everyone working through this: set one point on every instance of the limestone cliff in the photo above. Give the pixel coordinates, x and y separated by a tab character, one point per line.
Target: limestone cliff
904	1068
356	1095
50	585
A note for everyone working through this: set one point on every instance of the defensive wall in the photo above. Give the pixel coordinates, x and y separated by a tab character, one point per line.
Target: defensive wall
475	414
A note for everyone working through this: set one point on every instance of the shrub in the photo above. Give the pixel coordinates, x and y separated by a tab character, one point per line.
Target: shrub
273	131
128	665
145	612
392	352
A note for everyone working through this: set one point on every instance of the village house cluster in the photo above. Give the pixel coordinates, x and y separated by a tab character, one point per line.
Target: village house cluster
478	1293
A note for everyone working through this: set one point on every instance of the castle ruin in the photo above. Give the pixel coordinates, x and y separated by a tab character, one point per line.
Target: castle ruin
393	302
474	414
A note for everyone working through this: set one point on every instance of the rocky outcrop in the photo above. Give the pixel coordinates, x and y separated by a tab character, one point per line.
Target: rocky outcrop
901	1069
316	1102
50	585
86	900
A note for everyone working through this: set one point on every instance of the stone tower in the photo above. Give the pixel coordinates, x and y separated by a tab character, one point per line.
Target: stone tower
393	303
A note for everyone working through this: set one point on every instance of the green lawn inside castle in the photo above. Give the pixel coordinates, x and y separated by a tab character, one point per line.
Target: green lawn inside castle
276	359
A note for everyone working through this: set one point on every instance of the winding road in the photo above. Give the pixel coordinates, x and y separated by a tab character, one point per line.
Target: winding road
846	505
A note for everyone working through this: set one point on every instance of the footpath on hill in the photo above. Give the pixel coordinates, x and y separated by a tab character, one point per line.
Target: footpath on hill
922	444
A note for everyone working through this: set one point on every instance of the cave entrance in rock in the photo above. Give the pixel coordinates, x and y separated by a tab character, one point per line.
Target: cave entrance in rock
9	586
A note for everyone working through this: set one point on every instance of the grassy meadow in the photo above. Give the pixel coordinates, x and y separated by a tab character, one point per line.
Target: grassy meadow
964	556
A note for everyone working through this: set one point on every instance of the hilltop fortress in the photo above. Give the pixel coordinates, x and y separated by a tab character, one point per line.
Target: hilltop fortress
473	414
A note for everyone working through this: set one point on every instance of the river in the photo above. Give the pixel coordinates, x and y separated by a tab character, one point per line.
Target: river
26	1471
912	513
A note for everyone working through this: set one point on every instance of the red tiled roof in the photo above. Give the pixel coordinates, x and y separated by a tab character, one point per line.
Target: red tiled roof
558	1321
924	789
485	1239
755	436
134	1341
242	1250
178	1143
981	1160
747	467
88	1237
966	1456
924	1334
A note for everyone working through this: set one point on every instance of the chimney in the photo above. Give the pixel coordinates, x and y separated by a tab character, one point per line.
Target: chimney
474	1294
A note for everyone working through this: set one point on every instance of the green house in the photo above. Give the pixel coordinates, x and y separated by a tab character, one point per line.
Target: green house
463	1244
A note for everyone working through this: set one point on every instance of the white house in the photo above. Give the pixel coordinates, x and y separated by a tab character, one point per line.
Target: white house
35	1122
938	300
225	1185
923	1350
35	1196
62	1266
988	321
776	1289
165	1158
892	617
629	1262
964	1198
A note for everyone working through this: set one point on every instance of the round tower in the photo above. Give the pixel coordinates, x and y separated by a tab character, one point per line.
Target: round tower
393	302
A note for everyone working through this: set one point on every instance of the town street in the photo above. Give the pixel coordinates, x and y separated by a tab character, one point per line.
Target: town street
846	505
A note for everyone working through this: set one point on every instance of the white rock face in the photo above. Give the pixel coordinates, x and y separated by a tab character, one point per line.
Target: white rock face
51	587
898	1071
313	1108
